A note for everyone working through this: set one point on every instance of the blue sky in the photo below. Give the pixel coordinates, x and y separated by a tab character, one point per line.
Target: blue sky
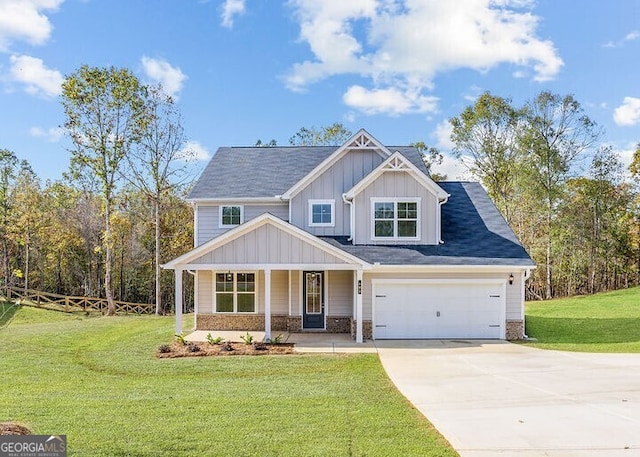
244	70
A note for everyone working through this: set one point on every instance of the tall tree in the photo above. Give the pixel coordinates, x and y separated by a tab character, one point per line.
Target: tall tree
105	115
430	156
330	135
8	173
158	165
487	132
557	132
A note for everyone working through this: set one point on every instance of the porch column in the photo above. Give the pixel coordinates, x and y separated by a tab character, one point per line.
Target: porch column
178	300
267	304
359	338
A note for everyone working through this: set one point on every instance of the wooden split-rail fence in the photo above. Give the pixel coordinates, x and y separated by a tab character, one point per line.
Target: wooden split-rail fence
70	304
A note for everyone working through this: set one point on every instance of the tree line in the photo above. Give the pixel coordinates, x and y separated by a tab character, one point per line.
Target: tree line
565	194
119	211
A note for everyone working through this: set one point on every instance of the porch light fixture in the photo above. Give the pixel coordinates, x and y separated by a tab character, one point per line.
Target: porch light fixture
229	276
511	278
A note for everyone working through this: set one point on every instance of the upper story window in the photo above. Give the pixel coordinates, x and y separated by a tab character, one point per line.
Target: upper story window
230	215
395	218
322	213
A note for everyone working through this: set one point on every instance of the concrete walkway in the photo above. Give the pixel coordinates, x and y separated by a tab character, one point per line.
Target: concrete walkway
501	399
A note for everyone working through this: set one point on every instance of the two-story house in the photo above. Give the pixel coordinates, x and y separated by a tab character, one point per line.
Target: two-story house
355	239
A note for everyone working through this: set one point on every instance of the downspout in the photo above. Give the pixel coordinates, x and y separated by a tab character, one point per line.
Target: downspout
351	215
439	219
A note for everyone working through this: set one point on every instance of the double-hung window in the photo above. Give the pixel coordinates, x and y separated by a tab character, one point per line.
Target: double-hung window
322	213
235	292
395	219
230	216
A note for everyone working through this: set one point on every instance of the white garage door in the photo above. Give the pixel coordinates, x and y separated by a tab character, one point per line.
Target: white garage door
437	309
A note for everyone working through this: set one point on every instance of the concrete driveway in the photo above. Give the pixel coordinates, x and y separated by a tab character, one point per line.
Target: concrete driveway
492	398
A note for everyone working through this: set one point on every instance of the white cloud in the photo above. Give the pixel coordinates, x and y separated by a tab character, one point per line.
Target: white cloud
403	45
171	78
442	135
24	20
453	168
38	79
231	9
194	151
628	113
631	36
53	134
392	101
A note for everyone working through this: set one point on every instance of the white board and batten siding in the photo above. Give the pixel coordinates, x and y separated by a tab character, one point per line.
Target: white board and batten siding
394	186
330	185
267	245
208	218
340	293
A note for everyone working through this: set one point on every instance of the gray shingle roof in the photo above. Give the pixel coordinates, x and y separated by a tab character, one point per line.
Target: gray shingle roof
473	230
252	172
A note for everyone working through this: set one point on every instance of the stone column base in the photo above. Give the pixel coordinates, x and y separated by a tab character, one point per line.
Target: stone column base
515	330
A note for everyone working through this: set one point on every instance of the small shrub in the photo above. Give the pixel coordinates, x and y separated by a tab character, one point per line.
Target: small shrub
276	339
248	338
226	346
258	346
213	341
164	349
180	339
193	347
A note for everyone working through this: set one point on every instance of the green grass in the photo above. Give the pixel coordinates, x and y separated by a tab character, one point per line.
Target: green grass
97	381
607	322
7	311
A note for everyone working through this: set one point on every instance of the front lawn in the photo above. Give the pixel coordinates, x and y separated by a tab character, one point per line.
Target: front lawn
607	322
97	380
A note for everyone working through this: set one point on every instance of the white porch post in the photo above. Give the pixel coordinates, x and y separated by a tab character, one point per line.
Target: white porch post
267	304
359	338
178	304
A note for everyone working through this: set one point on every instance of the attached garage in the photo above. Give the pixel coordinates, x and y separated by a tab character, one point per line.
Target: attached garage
413	309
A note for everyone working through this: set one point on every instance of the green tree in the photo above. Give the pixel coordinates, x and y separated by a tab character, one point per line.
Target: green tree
556	133
105	115
330	135
9	169
487	132
430	156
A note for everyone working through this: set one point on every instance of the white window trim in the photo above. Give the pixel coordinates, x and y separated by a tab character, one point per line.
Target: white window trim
221	225
235	293
322	202
395	201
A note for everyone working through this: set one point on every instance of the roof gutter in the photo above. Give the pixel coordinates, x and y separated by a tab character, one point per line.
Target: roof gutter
351	215
439	218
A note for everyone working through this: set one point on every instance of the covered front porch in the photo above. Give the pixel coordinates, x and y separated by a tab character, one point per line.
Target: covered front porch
267	275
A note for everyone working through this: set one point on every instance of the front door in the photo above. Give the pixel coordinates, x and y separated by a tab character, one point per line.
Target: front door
313	313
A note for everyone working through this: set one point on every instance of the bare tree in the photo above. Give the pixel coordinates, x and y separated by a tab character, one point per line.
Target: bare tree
158	164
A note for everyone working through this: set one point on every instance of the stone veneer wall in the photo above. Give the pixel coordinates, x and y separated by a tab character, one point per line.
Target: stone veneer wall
515	330
338	324
367	329
254	322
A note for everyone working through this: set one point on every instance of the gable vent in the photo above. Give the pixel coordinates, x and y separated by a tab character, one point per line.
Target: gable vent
362	142
396	164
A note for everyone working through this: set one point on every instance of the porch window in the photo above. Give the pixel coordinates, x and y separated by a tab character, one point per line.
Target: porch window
321	213
395	219
235	292
230	216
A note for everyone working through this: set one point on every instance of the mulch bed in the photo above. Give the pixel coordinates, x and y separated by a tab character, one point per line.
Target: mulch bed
9	428
205	349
